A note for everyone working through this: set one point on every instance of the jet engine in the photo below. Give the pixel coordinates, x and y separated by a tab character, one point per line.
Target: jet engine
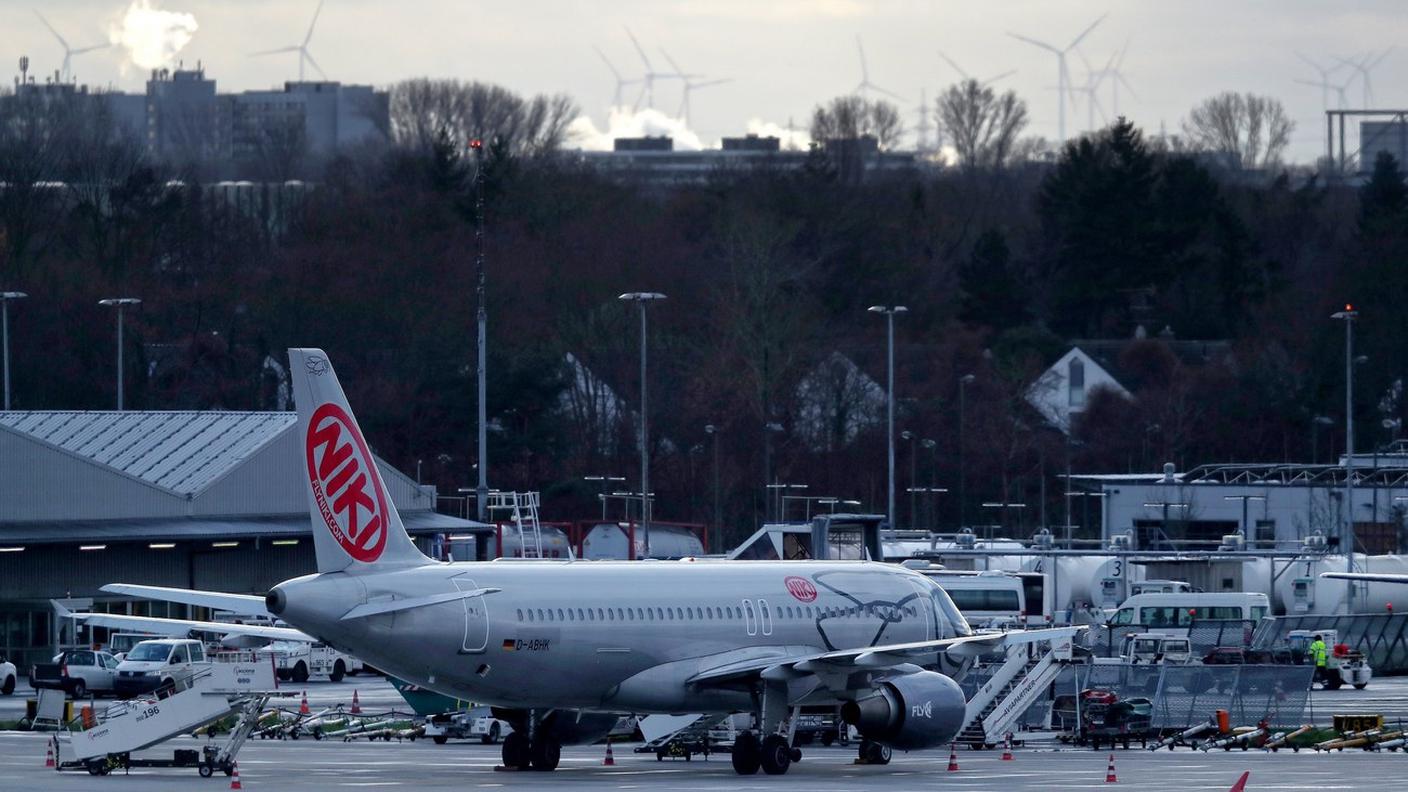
909	712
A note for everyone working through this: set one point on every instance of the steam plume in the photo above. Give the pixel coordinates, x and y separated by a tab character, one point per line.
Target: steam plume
624	122
151	36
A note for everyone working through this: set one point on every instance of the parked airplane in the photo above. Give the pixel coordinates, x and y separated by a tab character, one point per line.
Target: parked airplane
560	648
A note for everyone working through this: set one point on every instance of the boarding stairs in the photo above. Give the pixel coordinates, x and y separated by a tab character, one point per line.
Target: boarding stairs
241	686
997	706
661	730
520	509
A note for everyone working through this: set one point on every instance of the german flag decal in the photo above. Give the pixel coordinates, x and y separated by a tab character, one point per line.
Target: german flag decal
508	644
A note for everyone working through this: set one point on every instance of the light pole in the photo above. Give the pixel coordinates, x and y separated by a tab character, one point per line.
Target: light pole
604	481
935	491
1004	506
713	432
1246	529
932	446
963	383
1084	510
889	311
1316	424
121	304
5	298
1348	315
1165	505
482	338
913	481
643	299
769	428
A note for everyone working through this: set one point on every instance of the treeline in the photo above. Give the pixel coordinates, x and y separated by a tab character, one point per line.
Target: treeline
1001	263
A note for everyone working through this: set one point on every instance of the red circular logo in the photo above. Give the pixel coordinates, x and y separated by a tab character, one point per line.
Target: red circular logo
801	588
346	485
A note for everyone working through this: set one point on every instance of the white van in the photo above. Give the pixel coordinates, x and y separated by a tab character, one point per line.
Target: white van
990	598
1180	610
160	664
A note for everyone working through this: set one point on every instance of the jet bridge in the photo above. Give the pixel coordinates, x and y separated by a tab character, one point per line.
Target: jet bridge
243	686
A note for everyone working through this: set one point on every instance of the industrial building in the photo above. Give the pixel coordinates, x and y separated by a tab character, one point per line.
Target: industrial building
1274	506
209	500
653	160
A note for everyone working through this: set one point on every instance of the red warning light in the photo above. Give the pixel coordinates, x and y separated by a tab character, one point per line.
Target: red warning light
1348	307
476	143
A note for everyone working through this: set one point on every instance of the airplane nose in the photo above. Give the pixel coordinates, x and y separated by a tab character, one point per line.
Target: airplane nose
275	601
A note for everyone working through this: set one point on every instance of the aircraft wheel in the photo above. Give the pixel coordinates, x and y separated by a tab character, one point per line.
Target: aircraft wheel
776	755
547	752
747	754
875	753
1361	686
516	751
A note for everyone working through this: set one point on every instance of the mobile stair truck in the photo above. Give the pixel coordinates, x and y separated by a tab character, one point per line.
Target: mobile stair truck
1025	676
237	683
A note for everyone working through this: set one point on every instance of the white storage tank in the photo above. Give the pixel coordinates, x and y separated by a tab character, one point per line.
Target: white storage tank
1083	583
1301	590
612	540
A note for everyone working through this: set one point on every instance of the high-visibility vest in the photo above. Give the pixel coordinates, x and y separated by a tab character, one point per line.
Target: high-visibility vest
1317	650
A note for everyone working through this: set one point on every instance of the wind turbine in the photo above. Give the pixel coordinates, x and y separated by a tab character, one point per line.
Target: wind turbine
1364	66
1324	83
691	84
67	70
1092	86
647	90
865	83
304	56
621	82
1327	86
1063	77
966	76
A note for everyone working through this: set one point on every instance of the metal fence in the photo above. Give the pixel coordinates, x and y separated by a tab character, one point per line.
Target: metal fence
1104	640
1382	637
1182	695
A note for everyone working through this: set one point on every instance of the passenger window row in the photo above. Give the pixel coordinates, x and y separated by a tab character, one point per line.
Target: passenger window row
702	613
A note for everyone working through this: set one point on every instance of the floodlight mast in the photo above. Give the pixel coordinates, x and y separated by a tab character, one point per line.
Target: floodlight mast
642	299
1348	315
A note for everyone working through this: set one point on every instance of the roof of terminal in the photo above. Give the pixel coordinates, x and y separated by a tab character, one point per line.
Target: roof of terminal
181	452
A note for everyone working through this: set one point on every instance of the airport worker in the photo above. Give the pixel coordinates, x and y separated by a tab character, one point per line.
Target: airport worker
1317	653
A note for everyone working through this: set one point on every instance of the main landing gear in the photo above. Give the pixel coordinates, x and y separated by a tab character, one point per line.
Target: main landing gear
541	751
774	752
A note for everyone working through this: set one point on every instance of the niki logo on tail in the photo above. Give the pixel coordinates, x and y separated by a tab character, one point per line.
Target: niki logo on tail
346	484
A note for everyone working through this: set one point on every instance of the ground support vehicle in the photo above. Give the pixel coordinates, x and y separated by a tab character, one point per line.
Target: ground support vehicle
1106	719
466	725
160	665
1343	665
77	672
296	661
242	688
9	677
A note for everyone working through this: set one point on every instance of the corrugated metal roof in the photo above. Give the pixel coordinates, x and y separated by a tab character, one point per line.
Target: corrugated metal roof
180	452
200	528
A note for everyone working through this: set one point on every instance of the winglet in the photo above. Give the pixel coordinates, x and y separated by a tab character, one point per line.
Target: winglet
1241	782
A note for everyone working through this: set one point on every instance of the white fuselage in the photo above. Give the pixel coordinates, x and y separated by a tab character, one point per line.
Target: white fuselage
613	636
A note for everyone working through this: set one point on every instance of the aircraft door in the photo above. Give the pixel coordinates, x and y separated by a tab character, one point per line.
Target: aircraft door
476	618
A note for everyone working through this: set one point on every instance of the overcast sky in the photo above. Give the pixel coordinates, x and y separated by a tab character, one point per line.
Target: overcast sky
784	56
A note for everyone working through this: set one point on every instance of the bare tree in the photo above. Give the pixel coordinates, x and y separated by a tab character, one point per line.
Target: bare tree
1253	131
422	108
983	126
852	117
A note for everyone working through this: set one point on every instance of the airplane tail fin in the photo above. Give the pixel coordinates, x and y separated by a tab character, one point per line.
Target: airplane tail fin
355	524
1241	782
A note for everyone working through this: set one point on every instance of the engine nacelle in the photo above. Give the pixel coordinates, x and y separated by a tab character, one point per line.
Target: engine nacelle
909	712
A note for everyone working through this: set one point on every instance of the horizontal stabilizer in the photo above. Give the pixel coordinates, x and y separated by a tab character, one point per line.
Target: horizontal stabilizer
1369	577
244	604
158	626
392	606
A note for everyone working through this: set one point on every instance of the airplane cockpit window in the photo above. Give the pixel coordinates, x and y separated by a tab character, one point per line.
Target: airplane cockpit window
948	620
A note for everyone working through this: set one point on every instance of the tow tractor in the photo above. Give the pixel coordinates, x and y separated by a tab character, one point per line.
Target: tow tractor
466	725
1343	665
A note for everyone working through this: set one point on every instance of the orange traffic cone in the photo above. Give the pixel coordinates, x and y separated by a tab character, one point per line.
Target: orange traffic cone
1007	748
610	759
356	704
303	708
952	758
49	755
235	777
1110	772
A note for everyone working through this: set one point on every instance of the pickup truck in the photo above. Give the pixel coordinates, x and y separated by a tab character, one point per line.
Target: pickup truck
77	672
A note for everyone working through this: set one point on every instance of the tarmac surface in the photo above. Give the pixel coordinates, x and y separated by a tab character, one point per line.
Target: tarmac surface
422	765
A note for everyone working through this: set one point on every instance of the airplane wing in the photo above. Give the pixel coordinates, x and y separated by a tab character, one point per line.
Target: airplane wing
1371	577
871	658
247	604
153	624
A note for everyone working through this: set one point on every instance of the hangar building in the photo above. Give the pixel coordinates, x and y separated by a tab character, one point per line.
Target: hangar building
210	500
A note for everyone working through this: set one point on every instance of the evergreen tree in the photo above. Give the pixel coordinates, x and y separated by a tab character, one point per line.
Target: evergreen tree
993	294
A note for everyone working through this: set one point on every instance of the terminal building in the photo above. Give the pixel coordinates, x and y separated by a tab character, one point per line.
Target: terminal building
207	500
